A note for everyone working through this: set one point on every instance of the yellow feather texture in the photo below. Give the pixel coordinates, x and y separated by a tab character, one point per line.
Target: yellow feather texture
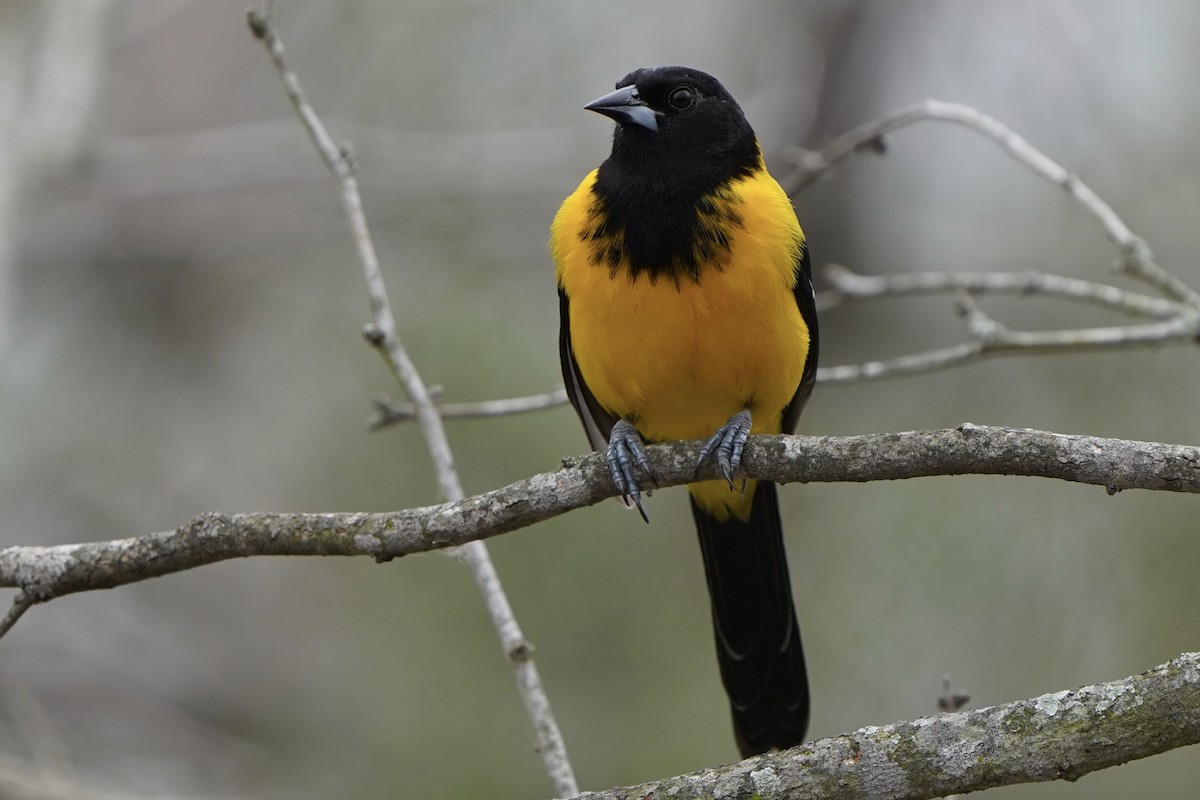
678	359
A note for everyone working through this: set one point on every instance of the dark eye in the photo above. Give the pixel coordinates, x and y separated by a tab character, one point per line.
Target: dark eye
682	98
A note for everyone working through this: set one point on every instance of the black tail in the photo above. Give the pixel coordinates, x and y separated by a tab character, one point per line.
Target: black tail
758	641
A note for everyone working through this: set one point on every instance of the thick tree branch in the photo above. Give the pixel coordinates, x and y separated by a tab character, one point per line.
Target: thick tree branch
44	573
1060	736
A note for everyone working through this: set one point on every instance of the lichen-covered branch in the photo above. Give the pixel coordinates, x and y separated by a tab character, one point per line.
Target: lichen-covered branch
43	573
1059	736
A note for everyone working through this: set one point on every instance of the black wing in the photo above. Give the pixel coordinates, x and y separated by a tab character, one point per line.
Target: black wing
808	310
597	422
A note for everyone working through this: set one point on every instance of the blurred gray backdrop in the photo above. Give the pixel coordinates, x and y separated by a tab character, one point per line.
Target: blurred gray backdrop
180	316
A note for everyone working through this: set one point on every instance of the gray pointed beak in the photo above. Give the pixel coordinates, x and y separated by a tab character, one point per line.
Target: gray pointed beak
625	106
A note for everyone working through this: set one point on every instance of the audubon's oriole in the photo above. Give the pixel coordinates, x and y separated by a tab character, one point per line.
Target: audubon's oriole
686	308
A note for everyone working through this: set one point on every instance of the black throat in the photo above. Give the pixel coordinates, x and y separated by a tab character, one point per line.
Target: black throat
665	211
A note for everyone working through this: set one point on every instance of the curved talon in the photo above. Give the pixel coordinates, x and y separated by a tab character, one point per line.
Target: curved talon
625	449
727	445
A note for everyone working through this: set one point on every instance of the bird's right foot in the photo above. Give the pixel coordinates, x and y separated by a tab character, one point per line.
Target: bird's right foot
626	449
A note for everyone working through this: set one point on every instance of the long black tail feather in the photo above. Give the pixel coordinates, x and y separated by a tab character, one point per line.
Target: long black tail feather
758	641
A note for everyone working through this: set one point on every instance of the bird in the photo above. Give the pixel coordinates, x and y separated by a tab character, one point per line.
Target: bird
686	311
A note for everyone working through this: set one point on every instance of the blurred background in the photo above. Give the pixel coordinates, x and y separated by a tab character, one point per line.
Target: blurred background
180	317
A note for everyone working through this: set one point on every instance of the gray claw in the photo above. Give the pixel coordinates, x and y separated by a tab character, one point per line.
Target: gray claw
727	445
626	449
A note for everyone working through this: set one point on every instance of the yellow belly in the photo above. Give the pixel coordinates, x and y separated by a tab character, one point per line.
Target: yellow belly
678	359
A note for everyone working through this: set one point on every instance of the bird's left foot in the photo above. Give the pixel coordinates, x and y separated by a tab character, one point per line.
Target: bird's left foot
727	445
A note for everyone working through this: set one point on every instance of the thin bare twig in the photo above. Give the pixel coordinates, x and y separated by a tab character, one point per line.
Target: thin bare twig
1001	341
1136	256
550	745
21	603
951	699
1180	322
990	338
848	286
388	413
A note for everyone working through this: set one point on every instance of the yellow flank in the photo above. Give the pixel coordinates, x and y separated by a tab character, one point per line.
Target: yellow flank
677	359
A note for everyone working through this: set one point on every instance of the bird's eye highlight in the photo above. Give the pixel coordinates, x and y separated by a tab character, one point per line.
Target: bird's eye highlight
681	98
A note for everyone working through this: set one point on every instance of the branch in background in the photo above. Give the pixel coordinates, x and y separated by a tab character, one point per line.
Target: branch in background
1180	324
951	699
381	333
388	413
1060	736
1136	257
990	338
849	286
1180	314
20	604
44	573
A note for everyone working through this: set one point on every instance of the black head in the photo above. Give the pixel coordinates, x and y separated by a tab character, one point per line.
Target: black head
679	118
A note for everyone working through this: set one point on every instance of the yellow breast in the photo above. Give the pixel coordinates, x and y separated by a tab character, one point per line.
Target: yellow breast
679	358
